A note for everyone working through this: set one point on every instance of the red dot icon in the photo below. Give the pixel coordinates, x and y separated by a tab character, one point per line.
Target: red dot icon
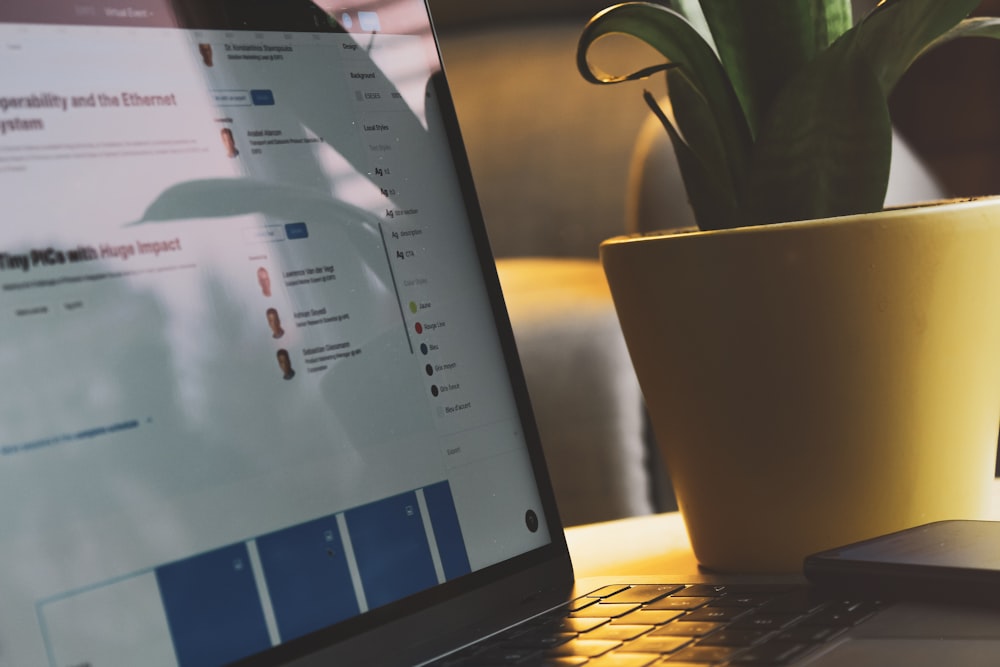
419	327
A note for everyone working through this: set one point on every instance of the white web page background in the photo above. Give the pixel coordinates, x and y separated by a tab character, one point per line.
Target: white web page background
147	417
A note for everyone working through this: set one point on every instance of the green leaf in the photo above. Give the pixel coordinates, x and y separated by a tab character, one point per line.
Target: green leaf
672	36
980	26
691	10
694	118
764	42
666	31
898	31
825	147
714	207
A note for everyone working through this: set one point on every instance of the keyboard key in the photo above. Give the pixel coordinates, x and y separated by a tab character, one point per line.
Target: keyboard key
763	589
580	603
734	637
687	629
702	590
715	614
798	601
683	602
659	645
720	590
764	621
607	591
619	632
704	654
605	610
624	660
747	600
644	593
590	648
580	624
842	614
809	634
648	617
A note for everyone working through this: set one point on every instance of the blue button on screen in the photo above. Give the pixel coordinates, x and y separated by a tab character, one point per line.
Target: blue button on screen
262	97
296	230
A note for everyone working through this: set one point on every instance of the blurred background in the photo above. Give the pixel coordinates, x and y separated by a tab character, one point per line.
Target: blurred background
561	164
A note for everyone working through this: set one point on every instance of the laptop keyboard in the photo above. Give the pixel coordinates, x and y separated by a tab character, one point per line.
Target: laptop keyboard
674	624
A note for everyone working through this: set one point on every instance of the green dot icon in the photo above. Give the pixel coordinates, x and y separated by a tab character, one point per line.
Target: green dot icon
413	306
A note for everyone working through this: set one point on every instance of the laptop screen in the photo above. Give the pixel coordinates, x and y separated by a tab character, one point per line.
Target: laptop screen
253	380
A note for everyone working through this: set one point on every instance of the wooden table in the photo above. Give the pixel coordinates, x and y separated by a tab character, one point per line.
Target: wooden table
655	544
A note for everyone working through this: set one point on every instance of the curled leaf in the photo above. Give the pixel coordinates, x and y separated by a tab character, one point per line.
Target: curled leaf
708	111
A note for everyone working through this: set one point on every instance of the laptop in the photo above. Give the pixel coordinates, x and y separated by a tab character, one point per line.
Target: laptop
262	401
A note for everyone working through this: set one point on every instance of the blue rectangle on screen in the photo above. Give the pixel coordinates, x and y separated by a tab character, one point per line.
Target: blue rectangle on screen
296	230
447	532
213	607
390	545
262	98
307	577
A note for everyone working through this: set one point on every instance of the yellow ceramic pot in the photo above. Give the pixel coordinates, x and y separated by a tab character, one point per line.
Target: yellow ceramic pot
816	383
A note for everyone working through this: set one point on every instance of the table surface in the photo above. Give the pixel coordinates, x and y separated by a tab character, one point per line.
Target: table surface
655	544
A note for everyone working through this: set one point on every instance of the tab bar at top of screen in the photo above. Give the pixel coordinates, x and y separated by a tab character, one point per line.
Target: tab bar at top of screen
354	16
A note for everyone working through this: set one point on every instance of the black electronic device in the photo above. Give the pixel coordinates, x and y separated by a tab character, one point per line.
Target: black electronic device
952	561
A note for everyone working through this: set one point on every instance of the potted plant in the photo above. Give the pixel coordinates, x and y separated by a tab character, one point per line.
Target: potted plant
817	370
